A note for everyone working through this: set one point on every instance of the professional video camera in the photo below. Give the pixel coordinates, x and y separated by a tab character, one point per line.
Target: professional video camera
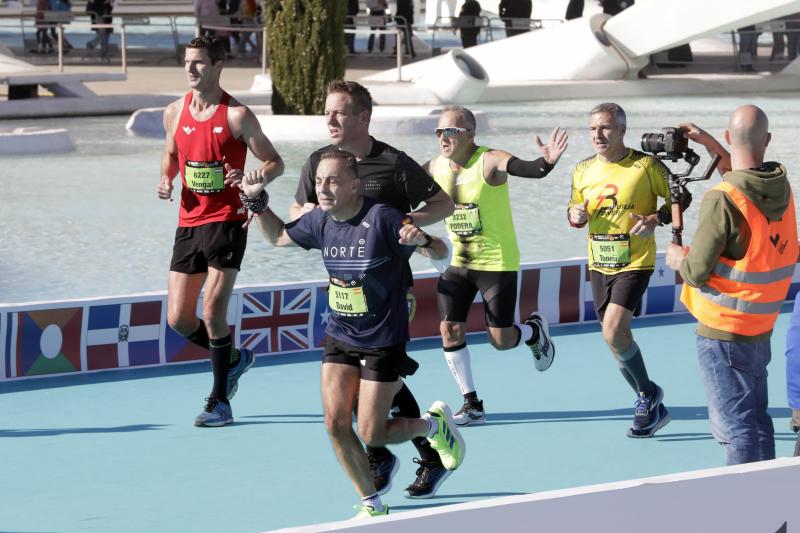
671	145
670	140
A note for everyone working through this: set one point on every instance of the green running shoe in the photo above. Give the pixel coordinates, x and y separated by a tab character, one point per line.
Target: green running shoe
367	511
447	440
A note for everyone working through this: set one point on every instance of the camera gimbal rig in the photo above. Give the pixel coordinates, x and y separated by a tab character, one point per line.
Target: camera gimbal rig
677	185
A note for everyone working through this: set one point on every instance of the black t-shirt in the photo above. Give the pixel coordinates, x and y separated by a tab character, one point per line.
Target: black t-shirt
387	174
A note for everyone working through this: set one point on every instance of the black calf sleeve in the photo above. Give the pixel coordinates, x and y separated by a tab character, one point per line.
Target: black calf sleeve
200	336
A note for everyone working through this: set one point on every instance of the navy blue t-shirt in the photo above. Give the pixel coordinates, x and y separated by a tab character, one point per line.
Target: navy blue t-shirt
366	265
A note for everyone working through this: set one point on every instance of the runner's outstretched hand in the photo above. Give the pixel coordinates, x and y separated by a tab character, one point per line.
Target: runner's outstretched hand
557	145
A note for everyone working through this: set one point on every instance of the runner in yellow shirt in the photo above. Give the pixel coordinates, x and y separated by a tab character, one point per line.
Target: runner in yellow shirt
616	192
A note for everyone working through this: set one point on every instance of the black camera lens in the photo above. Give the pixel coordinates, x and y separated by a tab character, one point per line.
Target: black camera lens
653	142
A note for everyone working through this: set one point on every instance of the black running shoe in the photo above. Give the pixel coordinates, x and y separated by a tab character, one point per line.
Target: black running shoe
430	476
649	415
470	414
382	468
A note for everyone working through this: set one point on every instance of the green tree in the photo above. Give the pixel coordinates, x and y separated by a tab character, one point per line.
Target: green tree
307	50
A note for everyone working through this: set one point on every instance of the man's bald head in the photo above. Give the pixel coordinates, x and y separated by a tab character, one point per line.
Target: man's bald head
748	133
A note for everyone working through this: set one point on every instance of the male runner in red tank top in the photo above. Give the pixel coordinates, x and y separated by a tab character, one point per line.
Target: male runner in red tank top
208	134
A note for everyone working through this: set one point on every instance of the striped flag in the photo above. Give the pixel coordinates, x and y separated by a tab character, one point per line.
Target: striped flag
663	292
121	335
553	291
277	320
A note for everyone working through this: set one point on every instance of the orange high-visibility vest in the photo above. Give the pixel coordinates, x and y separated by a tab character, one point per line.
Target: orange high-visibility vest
745	296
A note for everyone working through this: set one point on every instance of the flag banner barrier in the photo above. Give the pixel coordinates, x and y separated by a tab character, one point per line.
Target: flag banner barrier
73	336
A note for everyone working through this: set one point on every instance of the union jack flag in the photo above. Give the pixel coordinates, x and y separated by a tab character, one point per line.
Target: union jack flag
276	321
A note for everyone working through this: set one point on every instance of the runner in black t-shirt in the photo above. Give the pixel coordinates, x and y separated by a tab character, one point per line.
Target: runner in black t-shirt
365	247
387	174
392	177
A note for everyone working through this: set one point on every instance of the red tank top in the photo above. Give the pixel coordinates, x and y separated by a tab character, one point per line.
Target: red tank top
203	149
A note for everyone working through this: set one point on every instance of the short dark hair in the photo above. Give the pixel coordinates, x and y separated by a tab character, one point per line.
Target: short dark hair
359	95
346	157
212	46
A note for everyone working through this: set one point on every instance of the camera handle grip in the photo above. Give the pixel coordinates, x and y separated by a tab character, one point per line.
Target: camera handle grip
677	200
677	215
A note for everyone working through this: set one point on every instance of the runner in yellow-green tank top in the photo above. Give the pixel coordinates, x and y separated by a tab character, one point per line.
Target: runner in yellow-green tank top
481	228
485	252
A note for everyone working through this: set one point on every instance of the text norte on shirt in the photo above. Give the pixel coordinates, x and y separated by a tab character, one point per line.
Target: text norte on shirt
343	251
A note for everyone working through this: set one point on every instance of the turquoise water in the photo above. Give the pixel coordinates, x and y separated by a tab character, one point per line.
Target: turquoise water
89	223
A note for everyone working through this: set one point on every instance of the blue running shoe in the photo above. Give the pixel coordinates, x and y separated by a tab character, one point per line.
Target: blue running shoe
246	360
215	414
382	469
649	415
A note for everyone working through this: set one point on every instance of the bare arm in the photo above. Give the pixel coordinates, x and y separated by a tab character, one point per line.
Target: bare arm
245	126
270	226
169	159
437	207
412	235
700	136
273	228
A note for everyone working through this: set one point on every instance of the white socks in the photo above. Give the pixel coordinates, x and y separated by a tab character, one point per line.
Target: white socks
373	501
525	333
458	361
433	425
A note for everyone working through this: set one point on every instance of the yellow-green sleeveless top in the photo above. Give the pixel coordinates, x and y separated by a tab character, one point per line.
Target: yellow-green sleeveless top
481	228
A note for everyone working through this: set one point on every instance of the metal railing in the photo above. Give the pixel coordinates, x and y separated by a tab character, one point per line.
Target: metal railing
742	50
380	25
234	24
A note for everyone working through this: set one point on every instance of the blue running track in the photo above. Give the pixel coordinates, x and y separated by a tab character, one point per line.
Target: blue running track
117	451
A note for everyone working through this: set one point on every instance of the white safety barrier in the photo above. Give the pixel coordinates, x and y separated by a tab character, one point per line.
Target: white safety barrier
753	498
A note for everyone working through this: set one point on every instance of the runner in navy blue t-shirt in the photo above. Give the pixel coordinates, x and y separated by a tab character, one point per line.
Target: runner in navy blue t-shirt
365	246
391	177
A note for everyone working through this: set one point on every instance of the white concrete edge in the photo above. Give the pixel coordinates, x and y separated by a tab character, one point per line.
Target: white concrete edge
507	501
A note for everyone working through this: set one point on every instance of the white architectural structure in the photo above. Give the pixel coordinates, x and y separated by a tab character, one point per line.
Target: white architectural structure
595	48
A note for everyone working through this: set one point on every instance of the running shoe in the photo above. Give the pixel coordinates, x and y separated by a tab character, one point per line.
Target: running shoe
543	350
430	476
649	415
367	511
246	360
215	414
382	468
447	440
470	414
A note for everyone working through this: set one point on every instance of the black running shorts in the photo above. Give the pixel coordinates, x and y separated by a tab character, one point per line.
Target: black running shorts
625	289
377	364
458	286
217	244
